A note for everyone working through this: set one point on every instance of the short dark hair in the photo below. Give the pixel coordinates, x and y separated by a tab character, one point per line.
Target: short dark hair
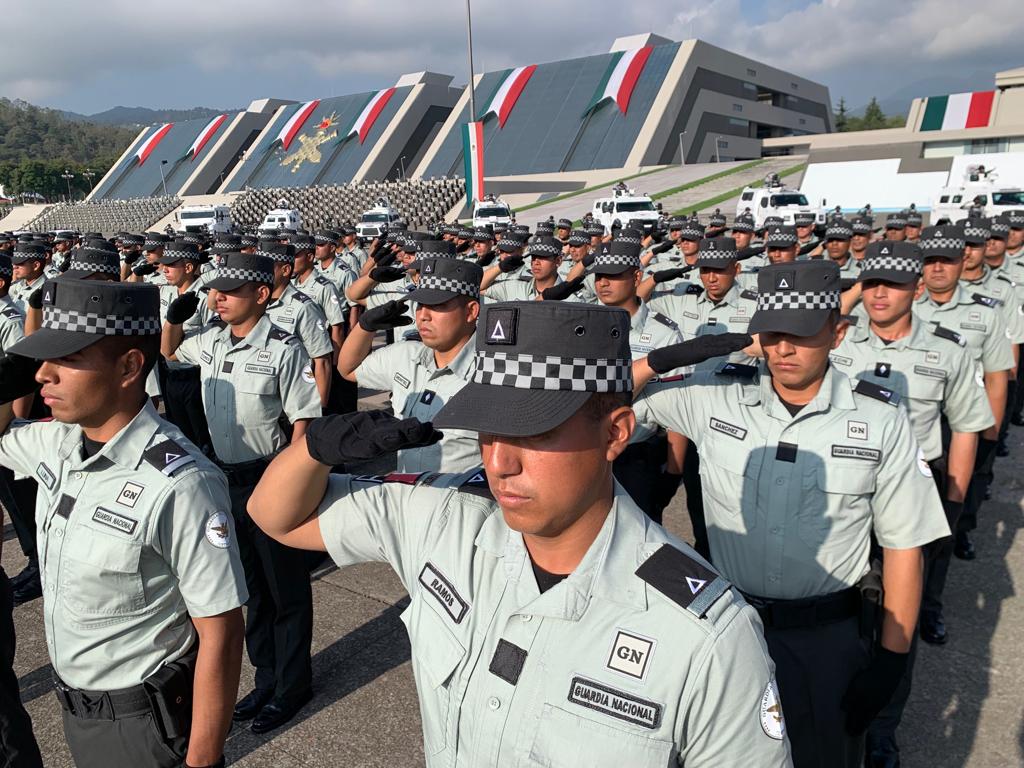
116	346
600	404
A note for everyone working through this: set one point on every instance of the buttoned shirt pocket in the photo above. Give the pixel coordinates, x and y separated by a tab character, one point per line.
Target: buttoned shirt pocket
824	513
726	482
257	394
566	739
100	577
436	655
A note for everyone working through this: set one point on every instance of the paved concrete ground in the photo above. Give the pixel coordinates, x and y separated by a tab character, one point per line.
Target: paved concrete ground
965	710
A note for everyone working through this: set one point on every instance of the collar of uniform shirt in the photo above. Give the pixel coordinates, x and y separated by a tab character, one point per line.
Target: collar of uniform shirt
639	318
731	298
126	448
836	391
257	337
463	365
599	574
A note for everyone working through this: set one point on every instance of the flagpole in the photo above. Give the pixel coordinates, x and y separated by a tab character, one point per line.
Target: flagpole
469	36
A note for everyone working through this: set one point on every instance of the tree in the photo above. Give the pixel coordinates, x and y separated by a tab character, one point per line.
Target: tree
841	118
874	117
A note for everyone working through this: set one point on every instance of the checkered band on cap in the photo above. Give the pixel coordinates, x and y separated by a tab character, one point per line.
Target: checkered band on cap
595	230
798	300
188	237
38	255
803	219
942	244
567	374
976	233
281	258
564	224
839	231
153	244
692	231
482	234
999	227
182	255
6	269
544	249
676	222
717	220
324	237
605	259
508	244
465	234
743	224
629	239
249	241
249	275
429	254
447	284
711	253
94	266
1016	219
914	219
57	319
780	237
896	221
874	263
861	226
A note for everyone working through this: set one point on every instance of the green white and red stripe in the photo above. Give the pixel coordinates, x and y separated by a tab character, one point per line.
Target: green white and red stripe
147	147
371	111
294	123
620	78
204	137
473	159
958	110
505	98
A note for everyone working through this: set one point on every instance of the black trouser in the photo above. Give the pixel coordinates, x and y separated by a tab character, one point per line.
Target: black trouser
980	481
695	501
1016	405
279	612
937	554
813	667
183	404
18	747
639	470
146	726
21	506
344	394
1011	398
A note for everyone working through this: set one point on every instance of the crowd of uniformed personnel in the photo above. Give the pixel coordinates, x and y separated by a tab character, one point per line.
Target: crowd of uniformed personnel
179	412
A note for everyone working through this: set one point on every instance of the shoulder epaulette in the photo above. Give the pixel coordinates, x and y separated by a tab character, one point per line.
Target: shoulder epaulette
280	334
852	319
300	297
665	320
949	333
218	322
476	484
526	278
988	301
748	294
682	579
878	393
10	312
739	370
168	457
1005	279
693	289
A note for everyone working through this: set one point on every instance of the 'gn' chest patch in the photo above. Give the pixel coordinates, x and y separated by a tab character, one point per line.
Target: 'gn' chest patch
631	654
728	429
442	590
618	704
129	494
121	523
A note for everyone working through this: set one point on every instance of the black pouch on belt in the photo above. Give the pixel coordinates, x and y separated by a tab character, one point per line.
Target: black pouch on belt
170	694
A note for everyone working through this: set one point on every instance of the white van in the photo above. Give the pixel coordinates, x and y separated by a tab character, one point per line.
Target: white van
282	218
204	218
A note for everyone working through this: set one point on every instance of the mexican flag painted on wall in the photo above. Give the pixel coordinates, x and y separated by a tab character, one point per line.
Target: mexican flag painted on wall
958	110
620	78
473	157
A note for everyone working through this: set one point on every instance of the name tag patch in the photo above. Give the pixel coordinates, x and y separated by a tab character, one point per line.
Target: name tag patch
934	373
855	452
442	590
645	338
264	370
129	494
402	380
618	704
974	327
45	474
206	357
121	523
631	654
839	360
728	429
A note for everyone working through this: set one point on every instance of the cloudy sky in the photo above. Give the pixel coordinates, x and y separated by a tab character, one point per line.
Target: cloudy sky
90	56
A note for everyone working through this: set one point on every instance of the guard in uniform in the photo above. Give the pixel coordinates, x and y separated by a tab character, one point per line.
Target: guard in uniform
912	232
511	264
255	375
670	268
387	281
621	648
896	227
148	269
28	261
422	377
141	574
838	234
545	253
804	224
800	470
863	229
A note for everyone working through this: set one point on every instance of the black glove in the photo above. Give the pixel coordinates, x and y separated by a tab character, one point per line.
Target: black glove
511	263
385	317
846	284
384	259
667	245
365	435
182	308
589	259
145	269
697	350
486	259
131	257
805	249
871	689
17	377
386	274
749	252
664	275
562	291
35	299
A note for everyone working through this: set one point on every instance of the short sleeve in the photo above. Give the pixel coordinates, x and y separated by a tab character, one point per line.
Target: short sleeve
670	405
300	398
379	368
11	332
965	403
26	442
311	327
191	347
996	353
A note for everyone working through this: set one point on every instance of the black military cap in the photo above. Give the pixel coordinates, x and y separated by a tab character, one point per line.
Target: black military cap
433	249
412	242
226	243
717	220
6	268
508	244
632	236
180	250
155	240
743	223
677	222
692	230
716	253
896	220
564	224
77	313
237	269
594	229
483	234
795	298
64	237
521	229
999	228
90	260
914	217
301	242
618	257
773	221
839	229
578	237
249	241
780	236
537	363
802	219
975	231
544	247
862	225
348	230
945	242
464	233
28	252
130	240
1016	219
499	227
282	253
444	278
891	261
326	236
192	238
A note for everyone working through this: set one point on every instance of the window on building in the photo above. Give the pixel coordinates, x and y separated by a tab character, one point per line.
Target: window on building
739	122
794	86
749	86
802	121
737	107
751	72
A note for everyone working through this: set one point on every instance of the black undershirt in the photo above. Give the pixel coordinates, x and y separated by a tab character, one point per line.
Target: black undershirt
793	408
546	580
236	340
90	447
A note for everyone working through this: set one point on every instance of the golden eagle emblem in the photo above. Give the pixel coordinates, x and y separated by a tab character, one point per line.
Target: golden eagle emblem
310	149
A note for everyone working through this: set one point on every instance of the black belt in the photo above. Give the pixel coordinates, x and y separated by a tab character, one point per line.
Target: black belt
102	705
245	473
808	611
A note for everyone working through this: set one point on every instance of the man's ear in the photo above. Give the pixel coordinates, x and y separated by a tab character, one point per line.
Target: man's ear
621	424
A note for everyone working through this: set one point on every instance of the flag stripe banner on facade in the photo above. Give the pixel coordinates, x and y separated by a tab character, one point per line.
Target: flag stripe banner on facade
294	124
204	136
620	78
473	158
504	99
362	125
150	144
958	110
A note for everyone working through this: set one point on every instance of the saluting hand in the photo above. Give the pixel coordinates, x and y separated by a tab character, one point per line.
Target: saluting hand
386	274
664	275
385	317
17	377
511	263
182	308
697	351
145	269
562	291
365	435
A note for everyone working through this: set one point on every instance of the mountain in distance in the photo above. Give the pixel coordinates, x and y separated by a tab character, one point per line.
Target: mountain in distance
898	102
138	116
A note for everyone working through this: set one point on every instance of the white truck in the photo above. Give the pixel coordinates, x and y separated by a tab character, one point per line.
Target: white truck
281	218
492	210
775	199
625	205
371	222
978	190
204	218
